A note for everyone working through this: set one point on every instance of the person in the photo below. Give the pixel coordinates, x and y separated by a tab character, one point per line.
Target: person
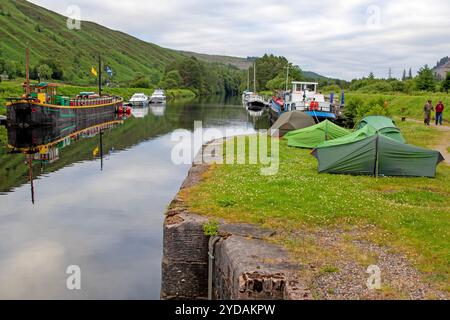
439	110
427	108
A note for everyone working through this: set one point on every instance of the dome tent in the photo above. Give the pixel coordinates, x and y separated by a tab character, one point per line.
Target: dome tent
311	137
292	120
383	125
378	155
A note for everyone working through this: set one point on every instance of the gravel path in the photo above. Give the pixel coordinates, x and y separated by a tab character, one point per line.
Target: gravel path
344	277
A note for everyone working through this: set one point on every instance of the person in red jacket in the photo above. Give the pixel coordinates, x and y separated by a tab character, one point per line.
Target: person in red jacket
439	110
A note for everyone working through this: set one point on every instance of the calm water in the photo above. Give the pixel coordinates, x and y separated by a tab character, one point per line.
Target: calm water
108	222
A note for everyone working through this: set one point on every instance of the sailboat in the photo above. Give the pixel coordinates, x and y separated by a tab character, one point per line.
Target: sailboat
252	100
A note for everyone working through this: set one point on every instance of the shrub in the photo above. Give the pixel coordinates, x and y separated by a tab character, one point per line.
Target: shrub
376	87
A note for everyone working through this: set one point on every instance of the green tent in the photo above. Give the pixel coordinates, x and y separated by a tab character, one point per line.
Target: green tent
292	120
383	125
378	155
357	135
311	137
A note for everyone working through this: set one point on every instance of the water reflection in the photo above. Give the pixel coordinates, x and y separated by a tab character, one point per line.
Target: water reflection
140	112
107	222
158	110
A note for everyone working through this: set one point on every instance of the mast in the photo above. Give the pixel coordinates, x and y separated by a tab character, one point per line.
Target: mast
101	150
99	75
287	76
248	79
254	77
27	72
30	175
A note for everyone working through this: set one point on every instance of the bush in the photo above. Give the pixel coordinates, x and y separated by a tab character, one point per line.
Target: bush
356	109
332	88
376	87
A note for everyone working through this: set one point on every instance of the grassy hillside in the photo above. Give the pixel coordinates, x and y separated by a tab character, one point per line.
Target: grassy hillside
241	63
48	37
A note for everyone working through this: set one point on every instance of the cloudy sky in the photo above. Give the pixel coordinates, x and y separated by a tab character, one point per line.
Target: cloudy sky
339	38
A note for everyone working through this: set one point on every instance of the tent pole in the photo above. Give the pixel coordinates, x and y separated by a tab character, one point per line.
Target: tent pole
375	169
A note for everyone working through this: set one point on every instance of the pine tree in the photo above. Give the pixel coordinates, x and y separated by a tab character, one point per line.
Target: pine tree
404	75
410	74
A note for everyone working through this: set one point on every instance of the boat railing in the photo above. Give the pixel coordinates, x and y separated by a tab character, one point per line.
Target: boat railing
79	102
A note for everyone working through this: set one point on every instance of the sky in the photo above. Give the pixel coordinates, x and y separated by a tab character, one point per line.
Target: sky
344	39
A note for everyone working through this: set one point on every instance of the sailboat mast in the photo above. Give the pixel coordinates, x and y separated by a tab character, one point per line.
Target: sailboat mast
254	77
99	75
248	79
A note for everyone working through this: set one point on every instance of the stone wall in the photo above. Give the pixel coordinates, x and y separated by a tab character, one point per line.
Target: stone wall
246	265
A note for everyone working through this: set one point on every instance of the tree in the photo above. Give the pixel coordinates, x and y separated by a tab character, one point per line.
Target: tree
446	83
371	76
425	80
171	80
140	81
410	74
44	71
10	67
404	75
56	66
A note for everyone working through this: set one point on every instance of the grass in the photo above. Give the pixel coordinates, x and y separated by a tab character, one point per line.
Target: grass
410	106
410	214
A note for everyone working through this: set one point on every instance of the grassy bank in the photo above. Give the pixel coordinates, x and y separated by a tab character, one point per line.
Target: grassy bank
410	214
412	104
14	89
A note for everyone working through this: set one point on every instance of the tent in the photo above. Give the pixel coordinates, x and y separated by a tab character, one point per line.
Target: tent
382	125
378	155
311	137
292	120
357	135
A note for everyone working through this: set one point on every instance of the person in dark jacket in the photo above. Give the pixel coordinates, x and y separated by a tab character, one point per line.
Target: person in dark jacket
439	111
427	109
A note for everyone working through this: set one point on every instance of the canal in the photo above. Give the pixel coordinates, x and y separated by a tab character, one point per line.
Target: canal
101	213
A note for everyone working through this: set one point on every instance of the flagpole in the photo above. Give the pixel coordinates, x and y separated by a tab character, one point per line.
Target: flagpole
99	75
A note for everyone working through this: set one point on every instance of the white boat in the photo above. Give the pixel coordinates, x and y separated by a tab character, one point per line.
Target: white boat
158	97
303	97
256	103
251	100
139	100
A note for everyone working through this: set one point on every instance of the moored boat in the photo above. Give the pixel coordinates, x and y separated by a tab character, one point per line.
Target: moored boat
251	100
139	100
41	105
158	97
303	97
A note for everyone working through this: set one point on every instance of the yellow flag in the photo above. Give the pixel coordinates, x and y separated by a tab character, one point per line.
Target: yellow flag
95	151
94	71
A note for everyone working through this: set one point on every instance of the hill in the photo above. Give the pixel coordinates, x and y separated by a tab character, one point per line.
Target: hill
75	51
238	62
243	63
442	68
